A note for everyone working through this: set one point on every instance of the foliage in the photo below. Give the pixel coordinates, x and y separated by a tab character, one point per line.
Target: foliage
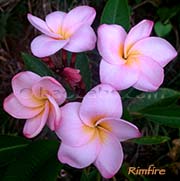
116	12
26	160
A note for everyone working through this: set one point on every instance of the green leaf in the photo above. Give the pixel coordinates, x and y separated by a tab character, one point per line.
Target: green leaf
161	97
49	171
2	170
166	13
116	12
35	65
35	157
130	93
4	117
82	63
10	146
149	140
7	141
126	115
162	29
169	116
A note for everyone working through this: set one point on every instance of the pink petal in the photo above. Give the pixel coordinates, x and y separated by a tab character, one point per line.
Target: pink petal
41	26
157	49
43	46
71	130
121	129
77	17
138	32
72	75
22	84
151	74
17	110
119	76
83	39
102	101
110	43
54	117
110	157
34	125
48	85
54	21
78	157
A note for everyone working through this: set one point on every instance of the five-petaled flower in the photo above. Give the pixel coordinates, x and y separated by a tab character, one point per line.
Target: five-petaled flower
71	31
36	99
133	59
91	131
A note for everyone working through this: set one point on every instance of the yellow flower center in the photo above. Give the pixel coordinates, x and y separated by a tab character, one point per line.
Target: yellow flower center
99	131
128	58
65	34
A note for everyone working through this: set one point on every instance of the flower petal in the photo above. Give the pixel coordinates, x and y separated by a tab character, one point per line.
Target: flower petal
138	32
151	75
34	125
22	87
48	85
157	49
77	17
78	157
43	46
72	76
17	110
119	76
120	128
71	130
110	43
54	117
41	26
102	101
82	40
54	20
110	157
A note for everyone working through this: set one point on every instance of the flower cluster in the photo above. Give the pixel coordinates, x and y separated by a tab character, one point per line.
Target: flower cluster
90	131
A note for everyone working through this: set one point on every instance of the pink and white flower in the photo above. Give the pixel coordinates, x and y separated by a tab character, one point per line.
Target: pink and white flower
36	99
91	131
71	31
133	59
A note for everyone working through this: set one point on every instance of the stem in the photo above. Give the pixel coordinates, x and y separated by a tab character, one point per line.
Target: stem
136	114
73	60
140	4
64	57
177	38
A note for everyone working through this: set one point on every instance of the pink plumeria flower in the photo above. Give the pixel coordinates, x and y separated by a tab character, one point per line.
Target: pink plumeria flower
91	131
133	59
72	76
71	31
36	99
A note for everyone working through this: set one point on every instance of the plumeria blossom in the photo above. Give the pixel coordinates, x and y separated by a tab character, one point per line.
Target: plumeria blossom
133	59
71	31
72	76
91	131
36	99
